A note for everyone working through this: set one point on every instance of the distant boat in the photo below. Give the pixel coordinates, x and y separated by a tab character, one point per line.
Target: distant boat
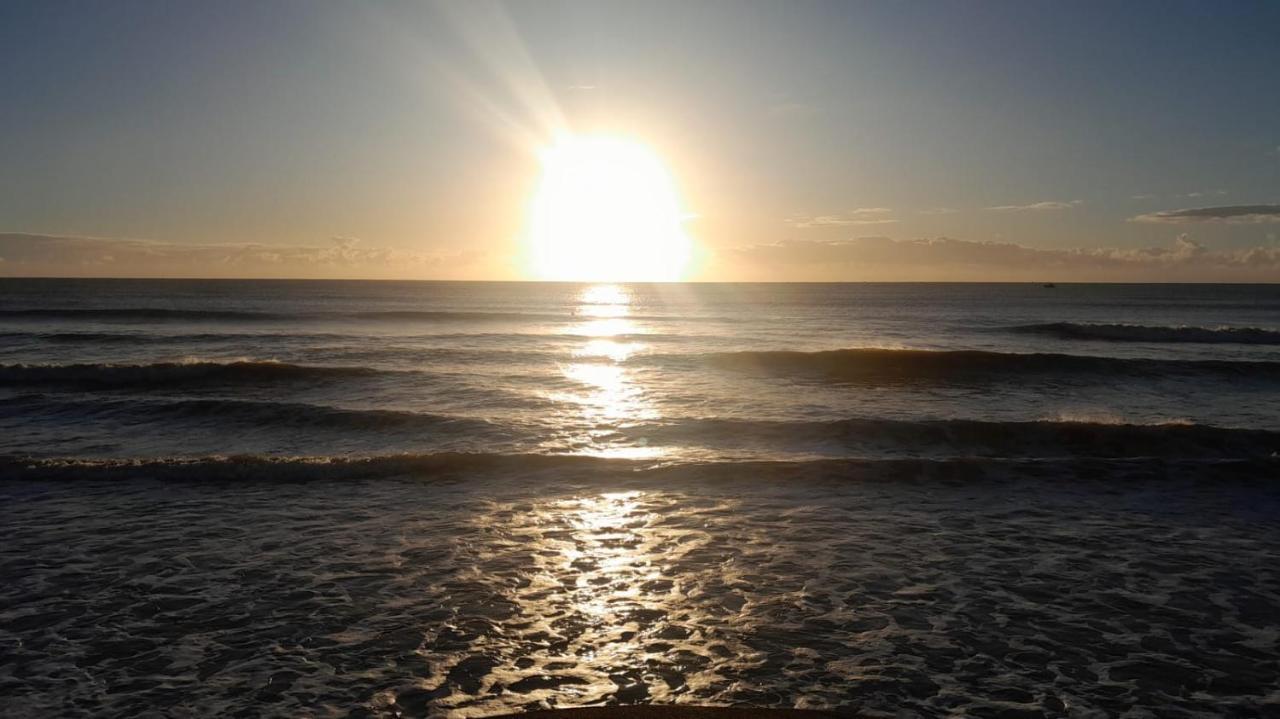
1049	285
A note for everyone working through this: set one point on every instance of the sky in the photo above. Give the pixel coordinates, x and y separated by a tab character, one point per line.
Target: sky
971	141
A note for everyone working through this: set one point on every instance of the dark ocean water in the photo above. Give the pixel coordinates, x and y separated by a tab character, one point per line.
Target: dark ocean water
674	373
360	498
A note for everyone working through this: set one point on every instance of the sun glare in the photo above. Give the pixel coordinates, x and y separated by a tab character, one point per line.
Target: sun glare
606	210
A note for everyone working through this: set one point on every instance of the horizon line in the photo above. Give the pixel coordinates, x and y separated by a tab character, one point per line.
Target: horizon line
622	282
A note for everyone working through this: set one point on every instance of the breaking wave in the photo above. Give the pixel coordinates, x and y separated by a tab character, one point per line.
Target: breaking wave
871	365
1151	333
695	439
291	415
171	374
147	338
962	437
138	313
559	468
166	314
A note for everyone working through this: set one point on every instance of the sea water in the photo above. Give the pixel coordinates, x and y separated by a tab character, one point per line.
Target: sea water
448	499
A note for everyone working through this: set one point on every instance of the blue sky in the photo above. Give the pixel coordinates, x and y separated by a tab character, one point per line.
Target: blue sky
412	129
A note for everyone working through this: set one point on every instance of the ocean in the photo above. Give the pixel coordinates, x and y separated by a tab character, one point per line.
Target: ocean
315	498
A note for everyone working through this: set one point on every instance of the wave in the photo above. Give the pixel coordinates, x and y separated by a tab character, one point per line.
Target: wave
146	338
141	338
290	415
962	437
575	470
1150	333
704	437
873	365
165	314
158	314
138	313
452	315
171	374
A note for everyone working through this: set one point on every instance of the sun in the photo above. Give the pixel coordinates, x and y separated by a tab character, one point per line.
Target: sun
606	210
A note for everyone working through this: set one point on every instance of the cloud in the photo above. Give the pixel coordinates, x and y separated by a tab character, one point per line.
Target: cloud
1037	206
861	216
937	211
1228	213
1189	195
944	258
861	259
70	255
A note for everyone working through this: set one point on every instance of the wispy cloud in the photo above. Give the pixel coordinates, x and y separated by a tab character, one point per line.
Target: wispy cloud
943	258
937	211
1186	195
1038	206
861	216
1226	213
35	254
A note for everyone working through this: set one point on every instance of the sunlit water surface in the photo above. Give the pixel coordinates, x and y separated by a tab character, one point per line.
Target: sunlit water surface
444	499
893	591
675	372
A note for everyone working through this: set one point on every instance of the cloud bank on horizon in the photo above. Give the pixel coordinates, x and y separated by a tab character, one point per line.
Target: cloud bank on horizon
946	259
862	259
34	255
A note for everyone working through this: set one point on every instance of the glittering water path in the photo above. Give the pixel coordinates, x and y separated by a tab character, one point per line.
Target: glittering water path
918	587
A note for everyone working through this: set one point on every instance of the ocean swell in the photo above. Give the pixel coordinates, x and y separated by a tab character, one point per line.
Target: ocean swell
471	467
171	374
153	314
156	314
875	365
1152	333
291	415
963	437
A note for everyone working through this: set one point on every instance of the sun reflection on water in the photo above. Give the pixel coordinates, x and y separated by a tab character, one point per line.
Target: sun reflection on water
630	594
604	327
585	607
612	397
607	295
611	349
607	524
